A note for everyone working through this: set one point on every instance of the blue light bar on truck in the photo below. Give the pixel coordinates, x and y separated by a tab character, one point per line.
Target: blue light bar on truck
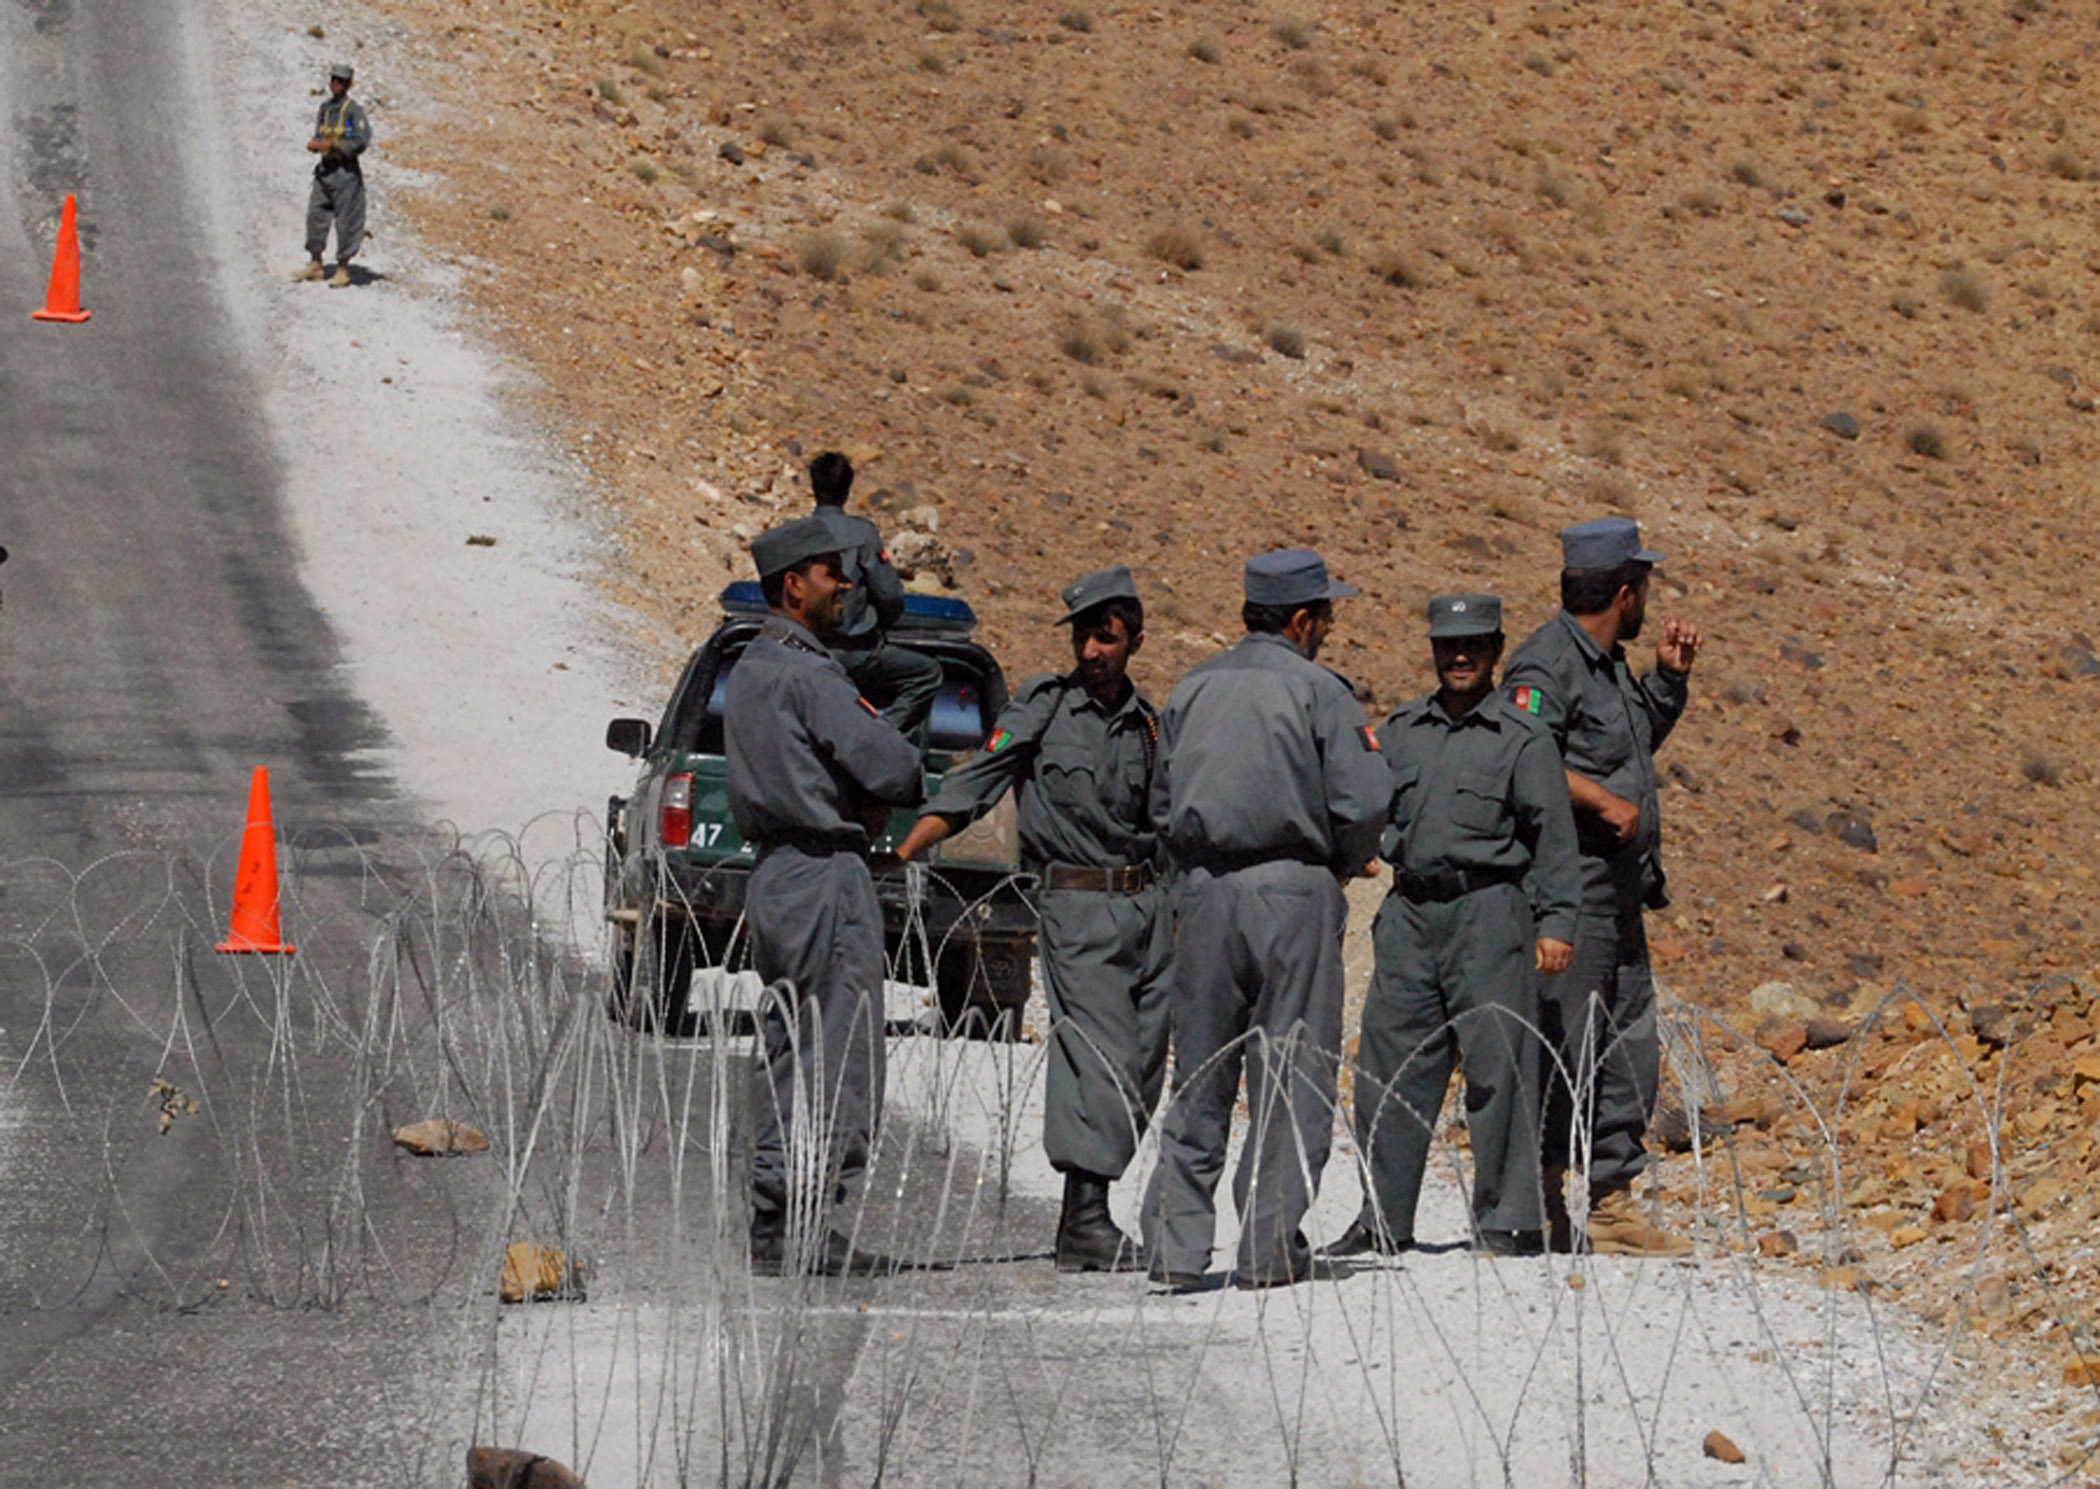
921	612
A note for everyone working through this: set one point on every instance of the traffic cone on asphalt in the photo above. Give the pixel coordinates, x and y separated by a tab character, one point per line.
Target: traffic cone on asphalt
62	300
254	926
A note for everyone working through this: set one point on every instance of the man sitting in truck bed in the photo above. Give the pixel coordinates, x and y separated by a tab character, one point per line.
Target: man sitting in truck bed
900	681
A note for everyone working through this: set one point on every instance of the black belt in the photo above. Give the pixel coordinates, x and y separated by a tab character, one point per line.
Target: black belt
816	843
1450	884
1124	879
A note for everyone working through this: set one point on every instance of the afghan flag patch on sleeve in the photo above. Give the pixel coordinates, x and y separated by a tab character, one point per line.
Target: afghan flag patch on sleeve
1528	699
1000	739
1370	739
873	711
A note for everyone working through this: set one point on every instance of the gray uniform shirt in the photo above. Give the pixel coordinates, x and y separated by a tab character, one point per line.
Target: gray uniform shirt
1265	755
1081	774
352	132
806	753
1485	793
1608	725
877	597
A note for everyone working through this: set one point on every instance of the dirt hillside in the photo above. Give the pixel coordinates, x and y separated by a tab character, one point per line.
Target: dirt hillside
1803	288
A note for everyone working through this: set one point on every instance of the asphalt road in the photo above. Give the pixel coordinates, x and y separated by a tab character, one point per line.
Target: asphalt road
158	647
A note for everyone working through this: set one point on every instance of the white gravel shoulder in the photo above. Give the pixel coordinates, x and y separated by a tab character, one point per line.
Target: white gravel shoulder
493	665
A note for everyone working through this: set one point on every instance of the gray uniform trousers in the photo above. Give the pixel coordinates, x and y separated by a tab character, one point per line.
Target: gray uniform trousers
902	683
1454	981
1257	984
339	195
1599	1020
1106	959
816	925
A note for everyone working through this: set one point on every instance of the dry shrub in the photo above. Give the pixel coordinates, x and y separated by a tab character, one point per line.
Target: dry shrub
1241	126
1926	440
1205	50
1075	20
1179	245
981	239
958	395
1313	77
1962	286
2064	163
821	254
776	131
880	244
1330	240
644	171
1906	306
940	15
1386	127
1287	340
1701	201
900	210
1539	63
1746	173
1400	267
1049	164
1025	232
1295	32
932	62
2041	769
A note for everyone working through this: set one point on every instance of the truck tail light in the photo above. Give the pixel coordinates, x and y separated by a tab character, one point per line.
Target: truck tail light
675	821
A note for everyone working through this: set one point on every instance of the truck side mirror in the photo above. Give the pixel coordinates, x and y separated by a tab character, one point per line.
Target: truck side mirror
628	736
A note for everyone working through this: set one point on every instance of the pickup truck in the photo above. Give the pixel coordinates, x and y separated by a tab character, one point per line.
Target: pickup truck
677	870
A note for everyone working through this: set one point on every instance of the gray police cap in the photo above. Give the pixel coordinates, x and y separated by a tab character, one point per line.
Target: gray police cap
1085	593
1292	576
344	71
1465	615
1604	543
778	549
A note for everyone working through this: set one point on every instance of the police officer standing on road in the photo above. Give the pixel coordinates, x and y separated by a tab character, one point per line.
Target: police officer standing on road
905	682
810	768
1079	751
1270	790
342	133
1479	803
1572	676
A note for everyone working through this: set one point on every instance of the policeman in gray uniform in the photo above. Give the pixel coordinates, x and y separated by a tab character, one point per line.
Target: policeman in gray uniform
1573	677
1079	751
811	767
1479	803
342	133
1270	790
904	682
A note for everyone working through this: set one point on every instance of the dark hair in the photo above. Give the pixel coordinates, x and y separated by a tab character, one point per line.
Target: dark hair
1128	609
830	478
1269	620
772	588
1591	591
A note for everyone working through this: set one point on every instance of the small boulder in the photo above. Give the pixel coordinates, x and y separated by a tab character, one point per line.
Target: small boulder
1782	1041
439	1138
1777	1243
1826	1033
1782	1000
1719	1448
1841	424
1377	466
533	1272
509	1468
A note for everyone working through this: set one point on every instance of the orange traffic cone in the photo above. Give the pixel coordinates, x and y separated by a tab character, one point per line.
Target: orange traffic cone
62	301
254	925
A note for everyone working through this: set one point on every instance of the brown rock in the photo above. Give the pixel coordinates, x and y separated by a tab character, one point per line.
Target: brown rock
1783	1041
2082	1373
1978	1160
439	1138
1378	467
510	1468
1907	1235
1778	1243
1957	1203
1823	1034
1718	1447
531	1272
1993	1293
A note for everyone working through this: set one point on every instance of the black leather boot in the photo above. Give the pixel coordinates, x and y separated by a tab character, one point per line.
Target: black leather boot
1088	1239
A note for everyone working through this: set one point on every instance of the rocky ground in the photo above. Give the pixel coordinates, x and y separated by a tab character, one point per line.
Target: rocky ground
1803	289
